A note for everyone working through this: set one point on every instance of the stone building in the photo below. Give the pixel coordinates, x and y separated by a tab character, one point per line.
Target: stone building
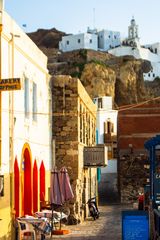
135	126
74	123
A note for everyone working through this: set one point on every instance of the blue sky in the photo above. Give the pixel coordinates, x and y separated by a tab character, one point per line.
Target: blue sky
74	16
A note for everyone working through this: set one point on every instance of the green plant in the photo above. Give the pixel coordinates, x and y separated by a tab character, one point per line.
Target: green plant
83	53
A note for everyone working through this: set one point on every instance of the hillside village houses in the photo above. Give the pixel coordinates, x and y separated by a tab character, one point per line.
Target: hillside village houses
110	41
25	144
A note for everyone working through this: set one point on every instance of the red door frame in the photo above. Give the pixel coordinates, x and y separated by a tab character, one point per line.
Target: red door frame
16	187
27	183
42	182
35	187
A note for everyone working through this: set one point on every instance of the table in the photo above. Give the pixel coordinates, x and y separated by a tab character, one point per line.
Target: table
57	216
40	224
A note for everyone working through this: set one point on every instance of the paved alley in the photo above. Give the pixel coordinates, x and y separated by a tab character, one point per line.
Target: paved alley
108	226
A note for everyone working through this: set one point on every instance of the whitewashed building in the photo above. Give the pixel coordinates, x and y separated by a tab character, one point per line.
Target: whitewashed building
25	125
106	126
154	48
108	40
93	39
78	41
105	113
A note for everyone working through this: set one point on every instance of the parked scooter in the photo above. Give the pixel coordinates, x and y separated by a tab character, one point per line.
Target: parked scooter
93	209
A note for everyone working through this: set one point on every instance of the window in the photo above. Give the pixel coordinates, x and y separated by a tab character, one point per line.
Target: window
100	103
148	74
109	36
81	124
90	41
67	42
26	97
153	74
115	36
79	40
156	50
34	102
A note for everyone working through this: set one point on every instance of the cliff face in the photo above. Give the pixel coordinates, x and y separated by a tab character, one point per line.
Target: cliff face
129	85
99	72
99	80
104	74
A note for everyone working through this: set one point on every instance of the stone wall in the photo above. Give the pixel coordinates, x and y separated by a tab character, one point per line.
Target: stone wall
133	176
69	98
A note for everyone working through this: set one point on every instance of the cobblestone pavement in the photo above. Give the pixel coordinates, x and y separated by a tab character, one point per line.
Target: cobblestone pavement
108	226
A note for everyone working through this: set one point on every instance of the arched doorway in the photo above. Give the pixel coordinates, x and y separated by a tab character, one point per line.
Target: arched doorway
27	189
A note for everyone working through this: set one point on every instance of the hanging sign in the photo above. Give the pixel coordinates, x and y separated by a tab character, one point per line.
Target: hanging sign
10	84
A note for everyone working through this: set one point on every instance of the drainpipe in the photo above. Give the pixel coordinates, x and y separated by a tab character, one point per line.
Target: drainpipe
11	125
12	120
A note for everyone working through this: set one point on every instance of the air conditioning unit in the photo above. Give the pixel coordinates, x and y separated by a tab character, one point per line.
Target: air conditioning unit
96	156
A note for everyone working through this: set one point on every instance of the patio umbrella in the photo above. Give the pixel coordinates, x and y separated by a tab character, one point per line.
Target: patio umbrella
55	191
66	189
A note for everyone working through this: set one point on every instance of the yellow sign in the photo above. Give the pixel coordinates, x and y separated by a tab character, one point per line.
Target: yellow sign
10	84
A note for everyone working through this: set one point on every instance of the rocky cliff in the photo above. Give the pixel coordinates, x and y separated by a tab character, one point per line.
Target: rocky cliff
100	72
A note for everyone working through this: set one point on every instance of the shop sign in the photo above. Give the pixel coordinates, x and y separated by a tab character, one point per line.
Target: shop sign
10	84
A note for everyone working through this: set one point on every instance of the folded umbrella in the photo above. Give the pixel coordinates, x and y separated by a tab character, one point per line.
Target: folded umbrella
66	190
55	190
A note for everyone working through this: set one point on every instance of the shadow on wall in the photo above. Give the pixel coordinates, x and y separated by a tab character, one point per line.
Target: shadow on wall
107	189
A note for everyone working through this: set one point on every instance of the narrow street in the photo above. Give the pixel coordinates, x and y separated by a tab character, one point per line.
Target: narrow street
108	226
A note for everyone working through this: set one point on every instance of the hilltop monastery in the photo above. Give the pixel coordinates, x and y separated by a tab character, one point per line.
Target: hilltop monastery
111	42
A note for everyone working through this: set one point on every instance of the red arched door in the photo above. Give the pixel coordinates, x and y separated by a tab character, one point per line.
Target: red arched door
16	187
42	182
35	187
27	183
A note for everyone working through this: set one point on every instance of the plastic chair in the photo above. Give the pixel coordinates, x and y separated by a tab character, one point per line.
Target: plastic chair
25	229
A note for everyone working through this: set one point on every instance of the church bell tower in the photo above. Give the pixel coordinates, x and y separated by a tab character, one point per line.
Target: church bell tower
133	30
